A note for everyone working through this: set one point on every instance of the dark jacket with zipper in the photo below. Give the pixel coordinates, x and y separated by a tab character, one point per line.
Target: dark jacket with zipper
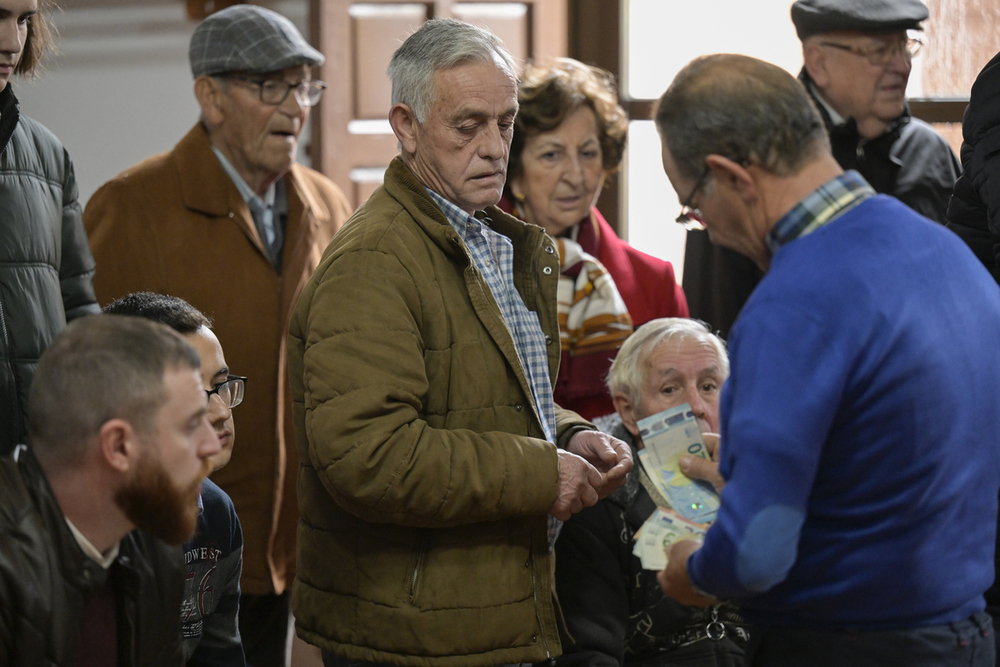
974	211
46	581
46	266
615	611
909	161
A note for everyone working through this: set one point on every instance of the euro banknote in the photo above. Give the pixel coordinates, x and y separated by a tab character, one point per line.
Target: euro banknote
666	437
661	529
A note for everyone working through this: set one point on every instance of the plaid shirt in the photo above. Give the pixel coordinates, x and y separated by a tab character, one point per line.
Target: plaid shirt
827	202
493	255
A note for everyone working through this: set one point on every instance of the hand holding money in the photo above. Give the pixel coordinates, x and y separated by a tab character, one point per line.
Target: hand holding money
675	580
662	529
704	469
667	436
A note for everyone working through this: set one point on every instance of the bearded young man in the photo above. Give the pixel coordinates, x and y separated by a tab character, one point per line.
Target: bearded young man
120	445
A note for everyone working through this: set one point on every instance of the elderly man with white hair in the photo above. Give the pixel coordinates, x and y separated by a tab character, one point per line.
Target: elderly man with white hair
615	610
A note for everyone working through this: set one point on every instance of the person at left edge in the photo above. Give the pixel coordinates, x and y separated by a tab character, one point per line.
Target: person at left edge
45	263
93	511
228	221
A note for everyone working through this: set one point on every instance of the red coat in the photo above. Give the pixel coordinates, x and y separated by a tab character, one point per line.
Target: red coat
649	290
646	283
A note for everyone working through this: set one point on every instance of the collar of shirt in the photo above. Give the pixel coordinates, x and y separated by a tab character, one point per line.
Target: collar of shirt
245	190
824	204
835	117
455	216
91	551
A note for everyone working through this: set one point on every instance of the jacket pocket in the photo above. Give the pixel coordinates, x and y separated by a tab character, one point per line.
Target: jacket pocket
416	566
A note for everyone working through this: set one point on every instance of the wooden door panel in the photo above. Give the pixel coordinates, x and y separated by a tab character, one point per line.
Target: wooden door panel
507	20
375	35
352	140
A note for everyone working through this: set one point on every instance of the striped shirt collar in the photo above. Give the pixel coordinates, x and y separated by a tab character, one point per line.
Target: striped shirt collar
822	205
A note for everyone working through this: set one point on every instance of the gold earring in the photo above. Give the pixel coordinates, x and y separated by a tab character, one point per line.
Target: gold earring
519	196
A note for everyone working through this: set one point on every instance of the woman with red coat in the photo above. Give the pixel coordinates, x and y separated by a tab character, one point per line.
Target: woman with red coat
569	135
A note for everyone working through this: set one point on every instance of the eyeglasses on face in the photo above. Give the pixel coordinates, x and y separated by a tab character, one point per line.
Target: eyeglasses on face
229	392
275	91
881	54
690	218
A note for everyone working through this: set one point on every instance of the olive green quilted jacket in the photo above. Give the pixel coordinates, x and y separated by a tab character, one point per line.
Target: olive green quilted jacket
425	477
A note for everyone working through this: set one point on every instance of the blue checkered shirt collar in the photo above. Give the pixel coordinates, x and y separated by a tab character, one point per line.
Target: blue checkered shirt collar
824	204
493	255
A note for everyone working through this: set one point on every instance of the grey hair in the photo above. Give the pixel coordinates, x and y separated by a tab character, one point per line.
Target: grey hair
437	45
745	109
628	371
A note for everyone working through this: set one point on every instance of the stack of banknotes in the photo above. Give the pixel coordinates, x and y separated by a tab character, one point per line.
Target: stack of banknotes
663	528
693	505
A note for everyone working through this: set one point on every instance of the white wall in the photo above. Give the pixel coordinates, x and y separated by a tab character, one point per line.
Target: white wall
120	89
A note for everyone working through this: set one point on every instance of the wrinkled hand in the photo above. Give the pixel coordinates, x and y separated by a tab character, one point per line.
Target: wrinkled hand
696	467
578	486
675	580
610	456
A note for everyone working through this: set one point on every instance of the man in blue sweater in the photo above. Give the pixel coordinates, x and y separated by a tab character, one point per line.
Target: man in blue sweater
861	419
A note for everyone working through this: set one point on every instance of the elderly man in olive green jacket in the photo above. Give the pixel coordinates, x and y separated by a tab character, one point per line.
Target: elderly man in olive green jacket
422	353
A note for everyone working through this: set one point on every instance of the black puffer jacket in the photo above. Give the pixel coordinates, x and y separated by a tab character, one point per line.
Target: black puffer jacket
45	263
46	580
910	161
974	211
614	610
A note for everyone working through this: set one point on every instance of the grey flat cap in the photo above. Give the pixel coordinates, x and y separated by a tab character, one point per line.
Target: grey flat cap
813	17
248	38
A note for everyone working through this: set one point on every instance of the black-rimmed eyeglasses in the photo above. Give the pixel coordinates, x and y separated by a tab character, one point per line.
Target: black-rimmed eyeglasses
690	218
275	91
229	392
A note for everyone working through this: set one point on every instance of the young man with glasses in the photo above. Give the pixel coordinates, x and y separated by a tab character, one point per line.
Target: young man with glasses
857	58
213	557
229	221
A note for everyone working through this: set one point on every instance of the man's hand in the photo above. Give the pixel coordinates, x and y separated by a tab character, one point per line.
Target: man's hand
578	486
675	580
610	456
696	467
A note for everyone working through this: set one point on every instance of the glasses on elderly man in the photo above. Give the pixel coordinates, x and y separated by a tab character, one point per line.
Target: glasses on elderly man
275	91
690	218
882	53
230	391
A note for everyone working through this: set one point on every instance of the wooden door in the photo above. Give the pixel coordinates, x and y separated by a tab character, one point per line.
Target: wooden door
352	140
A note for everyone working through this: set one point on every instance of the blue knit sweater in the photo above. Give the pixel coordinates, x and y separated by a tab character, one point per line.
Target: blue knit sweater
861	431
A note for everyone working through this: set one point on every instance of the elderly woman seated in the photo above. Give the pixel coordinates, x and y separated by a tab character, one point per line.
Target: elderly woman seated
569	136
615	611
